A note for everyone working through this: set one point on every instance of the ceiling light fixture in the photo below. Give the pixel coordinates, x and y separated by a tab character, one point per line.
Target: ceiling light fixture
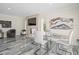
9	8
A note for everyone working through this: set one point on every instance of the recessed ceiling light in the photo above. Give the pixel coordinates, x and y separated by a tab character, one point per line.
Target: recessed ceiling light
9	8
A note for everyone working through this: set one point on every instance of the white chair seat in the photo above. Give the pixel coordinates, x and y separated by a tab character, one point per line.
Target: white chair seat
39	35
44	42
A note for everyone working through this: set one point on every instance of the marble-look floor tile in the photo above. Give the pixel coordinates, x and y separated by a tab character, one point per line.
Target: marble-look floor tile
16	46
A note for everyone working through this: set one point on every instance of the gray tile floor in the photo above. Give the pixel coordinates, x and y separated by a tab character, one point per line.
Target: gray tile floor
24	46
17	46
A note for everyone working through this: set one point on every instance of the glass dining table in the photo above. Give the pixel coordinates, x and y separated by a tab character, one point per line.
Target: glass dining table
57	47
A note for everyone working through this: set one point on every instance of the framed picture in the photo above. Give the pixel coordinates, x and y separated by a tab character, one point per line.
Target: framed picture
61	23
32	21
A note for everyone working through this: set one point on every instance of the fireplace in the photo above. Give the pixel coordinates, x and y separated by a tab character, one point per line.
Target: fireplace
1	34
11	33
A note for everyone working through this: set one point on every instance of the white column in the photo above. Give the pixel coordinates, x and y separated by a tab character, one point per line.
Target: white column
42	25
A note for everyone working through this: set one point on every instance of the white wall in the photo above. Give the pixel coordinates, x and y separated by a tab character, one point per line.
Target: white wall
17	23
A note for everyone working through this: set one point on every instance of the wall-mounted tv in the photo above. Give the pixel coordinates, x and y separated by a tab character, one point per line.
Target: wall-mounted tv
5	24
32	21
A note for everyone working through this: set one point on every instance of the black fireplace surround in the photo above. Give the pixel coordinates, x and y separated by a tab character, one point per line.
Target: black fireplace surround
11	33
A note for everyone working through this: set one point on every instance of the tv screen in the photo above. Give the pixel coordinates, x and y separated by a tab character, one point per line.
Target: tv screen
5	24
32	21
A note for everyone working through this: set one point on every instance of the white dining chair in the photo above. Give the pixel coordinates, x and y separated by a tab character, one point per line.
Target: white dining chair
38	38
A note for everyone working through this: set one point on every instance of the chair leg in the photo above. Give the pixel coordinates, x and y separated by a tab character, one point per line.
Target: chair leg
38	50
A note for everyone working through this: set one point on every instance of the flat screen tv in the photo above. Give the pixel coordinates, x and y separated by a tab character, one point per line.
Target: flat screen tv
5	24
32	21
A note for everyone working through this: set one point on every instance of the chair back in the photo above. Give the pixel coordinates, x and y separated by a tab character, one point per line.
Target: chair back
38	37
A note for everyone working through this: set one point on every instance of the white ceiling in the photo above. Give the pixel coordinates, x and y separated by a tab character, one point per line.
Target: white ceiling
26	9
